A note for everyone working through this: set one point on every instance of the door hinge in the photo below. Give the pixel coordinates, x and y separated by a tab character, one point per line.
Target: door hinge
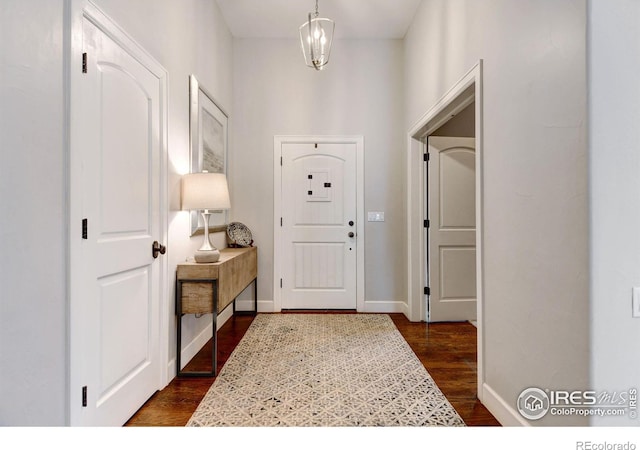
280	283
85	229
280	221
281	160
84	63
427	223
427	291
425	157
84	396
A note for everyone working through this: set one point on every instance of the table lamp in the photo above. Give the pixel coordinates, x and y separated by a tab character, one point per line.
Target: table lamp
209	193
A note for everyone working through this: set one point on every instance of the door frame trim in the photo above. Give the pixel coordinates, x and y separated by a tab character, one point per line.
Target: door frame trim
78	11
466	90
278	140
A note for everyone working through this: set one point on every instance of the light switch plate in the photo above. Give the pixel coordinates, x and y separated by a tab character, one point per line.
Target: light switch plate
375	216
636	302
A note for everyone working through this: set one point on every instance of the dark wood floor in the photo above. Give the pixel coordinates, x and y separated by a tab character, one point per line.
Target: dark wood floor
447	350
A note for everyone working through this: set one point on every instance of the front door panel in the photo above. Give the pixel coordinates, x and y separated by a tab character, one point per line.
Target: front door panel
319	201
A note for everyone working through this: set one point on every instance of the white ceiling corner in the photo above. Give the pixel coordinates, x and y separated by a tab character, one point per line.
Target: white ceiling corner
355	19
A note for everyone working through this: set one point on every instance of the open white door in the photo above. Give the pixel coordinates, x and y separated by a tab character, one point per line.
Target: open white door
117	278
452	230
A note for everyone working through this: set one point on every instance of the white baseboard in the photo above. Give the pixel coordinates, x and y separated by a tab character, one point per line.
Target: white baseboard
390	306
266	306
224	316
245	305
501	410
192	348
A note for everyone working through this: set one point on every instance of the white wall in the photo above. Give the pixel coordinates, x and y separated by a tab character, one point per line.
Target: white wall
33	242
186	37
359	93
535	179
614	156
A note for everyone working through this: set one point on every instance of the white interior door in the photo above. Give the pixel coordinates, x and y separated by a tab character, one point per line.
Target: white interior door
452	230
121	148
319	236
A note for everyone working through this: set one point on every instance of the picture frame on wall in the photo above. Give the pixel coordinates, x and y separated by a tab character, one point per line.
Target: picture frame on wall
208	147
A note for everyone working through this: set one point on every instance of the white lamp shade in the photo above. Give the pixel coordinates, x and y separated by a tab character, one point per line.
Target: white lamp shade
205	191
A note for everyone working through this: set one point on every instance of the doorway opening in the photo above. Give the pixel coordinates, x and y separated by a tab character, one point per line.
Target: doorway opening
456	114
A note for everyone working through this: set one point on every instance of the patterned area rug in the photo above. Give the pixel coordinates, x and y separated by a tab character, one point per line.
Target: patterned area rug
324	370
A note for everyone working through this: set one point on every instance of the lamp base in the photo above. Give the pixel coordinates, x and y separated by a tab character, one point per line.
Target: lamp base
207	256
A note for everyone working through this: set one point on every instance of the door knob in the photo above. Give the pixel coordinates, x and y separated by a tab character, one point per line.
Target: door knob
157	248
351	234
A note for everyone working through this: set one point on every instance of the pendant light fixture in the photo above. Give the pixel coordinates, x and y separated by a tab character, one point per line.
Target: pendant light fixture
316	36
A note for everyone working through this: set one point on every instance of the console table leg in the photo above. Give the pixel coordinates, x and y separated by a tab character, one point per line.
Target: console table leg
255	296
214	334
179	329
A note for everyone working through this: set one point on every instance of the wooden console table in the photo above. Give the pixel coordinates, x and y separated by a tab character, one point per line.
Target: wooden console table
208	288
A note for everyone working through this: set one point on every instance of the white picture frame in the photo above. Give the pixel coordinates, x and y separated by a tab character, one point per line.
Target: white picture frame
208	147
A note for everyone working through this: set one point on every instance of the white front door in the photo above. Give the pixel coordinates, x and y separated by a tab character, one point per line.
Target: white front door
120	139
452	229
319	239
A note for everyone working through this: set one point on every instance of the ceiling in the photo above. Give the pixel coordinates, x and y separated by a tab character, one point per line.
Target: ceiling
355	19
